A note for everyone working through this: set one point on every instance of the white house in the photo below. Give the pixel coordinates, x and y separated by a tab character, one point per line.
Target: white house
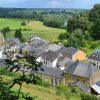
95	59
49	58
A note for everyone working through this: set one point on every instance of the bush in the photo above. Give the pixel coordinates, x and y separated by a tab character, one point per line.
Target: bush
23	23
88	97
75	90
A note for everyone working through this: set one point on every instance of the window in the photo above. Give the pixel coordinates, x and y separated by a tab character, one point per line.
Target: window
52	81
56	82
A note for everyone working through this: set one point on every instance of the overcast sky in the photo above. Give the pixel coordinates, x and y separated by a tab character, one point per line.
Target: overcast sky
87	4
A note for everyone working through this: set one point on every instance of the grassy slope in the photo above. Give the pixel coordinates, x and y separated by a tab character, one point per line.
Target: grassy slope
36	27
41	92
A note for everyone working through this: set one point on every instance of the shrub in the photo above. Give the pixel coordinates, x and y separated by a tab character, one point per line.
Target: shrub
23	23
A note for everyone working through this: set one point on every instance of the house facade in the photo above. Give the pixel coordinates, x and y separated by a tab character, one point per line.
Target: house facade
95	59
49	59
53	76
74	54
78	71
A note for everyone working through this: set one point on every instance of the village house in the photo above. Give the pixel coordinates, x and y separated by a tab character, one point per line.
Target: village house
74	54
51	75
78	71
95	59
49	58
81	71
13	45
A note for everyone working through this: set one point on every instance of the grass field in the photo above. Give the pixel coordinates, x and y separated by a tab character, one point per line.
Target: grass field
33	27
42	93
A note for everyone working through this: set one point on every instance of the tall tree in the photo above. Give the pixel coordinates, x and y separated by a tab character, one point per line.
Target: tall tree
94	16
18	34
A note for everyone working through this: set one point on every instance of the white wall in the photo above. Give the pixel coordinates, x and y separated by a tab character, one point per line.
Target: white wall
47	63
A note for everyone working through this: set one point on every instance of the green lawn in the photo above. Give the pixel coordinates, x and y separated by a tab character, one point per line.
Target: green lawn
34	27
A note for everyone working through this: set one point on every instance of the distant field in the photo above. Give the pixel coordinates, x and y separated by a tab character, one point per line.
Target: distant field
33	27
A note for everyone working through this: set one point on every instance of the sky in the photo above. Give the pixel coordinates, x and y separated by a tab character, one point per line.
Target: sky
82	4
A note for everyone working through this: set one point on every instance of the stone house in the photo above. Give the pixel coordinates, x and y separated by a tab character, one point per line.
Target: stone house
74	54
95	59
80	71
52	75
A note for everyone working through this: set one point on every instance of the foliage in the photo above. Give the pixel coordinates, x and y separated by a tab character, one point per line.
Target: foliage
5	30
5	92
23	23
18	34
54	21
88	97
26	66
94	16
78	22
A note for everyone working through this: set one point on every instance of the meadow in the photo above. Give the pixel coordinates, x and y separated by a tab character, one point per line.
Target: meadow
32	27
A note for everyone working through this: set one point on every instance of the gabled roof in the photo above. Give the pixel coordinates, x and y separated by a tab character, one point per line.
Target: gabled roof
50	55
95	56
53	72
81	69
69	52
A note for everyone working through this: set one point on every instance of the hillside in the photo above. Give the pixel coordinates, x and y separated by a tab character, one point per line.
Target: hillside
42	93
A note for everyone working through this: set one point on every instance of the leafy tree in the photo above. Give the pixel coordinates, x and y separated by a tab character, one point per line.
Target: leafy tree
5	92
18	34
78	22
5	30
23	23
26	67
94	14
95	31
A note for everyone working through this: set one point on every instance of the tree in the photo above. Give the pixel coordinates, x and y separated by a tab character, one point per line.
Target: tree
23	23
78	22
95	30
18	34
94	14
5	30
27	67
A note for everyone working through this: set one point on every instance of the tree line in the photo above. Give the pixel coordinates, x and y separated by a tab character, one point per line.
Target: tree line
82	28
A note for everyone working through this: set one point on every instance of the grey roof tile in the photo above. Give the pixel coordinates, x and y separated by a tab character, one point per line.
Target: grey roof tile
54	72
50	55
81	69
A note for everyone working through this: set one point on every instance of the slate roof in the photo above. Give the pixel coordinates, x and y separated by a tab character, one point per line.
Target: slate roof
81	69
12	41
95	56
53	72
55	47
82	87
50	55
69	52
